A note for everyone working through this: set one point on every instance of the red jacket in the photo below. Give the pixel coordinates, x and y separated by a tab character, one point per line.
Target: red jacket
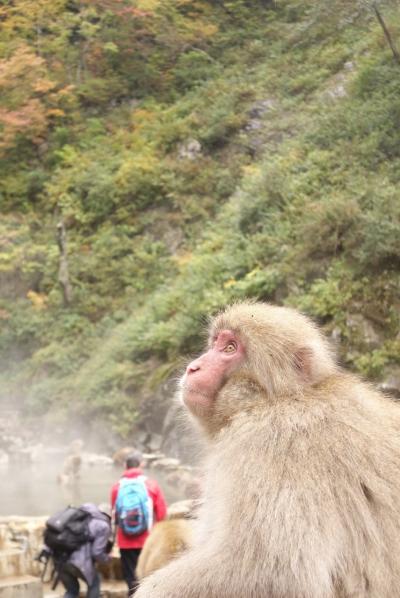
159	508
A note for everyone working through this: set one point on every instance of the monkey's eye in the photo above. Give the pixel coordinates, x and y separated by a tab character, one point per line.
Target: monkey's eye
230	348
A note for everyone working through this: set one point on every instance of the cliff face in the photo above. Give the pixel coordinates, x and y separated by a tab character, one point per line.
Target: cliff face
193	153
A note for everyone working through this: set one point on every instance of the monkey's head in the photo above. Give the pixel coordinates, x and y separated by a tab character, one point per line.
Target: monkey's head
256	352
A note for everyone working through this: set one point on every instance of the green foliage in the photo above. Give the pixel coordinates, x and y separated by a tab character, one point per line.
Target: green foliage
329	297
198	153
380	225
193	68
372	364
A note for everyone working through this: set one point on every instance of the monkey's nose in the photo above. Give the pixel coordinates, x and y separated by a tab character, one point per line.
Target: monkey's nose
192	367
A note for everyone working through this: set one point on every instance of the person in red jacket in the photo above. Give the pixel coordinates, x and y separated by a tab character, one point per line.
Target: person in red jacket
130	546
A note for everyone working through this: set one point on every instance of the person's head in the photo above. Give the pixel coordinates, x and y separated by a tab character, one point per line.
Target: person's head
134	459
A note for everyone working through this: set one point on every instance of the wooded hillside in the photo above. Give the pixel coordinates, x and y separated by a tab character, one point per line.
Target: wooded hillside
160	158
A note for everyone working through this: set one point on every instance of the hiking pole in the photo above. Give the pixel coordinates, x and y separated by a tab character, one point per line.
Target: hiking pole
43	558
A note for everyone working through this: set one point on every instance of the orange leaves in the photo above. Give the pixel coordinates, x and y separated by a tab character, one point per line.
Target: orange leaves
121	8
23	65
42	86
22	76
38	300
143	115
30	118
28	98
55	113
133	12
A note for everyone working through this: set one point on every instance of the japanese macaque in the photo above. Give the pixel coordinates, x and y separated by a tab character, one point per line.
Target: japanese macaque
302	494
167	540
72	464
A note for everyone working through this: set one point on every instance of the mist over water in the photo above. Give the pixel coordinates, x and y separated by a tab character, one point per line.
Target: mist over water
33	455
32	489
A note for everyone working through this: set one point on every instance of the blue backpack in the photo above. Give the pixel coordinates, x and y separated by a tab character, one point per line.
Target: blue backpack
134	507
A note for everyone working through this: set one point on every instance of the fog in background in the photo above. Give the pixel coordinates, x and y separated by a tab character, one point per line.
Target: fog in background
31	460
33	489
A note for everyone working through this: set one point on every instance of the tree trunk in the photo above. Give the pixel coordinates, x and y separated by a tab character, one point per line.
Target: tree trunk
63	274
382	23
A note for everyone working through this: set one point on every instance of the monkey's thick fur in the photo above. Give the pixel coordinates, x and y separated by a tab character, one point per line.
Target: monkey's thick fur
302	496
167	540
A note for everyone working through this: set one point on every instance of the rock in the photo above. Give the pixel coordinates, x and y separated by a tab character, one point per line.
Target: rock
391	381
95	459
21	539
183	508
261	107
142	437
255	124
172	237
150	458
186	468
11	562
174	478
364	330
185	481
336	335
349	65
255	135
336	88
154	442
337	92
256	112
167	463
189	150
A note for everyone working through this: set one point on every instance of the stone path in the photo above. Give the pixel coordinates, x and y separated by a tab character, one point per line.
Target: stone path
109	589
23	586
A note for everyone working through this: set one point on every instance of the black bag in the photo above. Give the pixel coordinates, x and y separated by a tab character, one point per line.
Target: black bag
67	530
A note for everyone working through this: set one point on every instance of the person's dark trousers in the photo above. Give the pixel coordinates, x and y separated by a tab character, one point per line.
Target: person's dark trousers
71	584
129	559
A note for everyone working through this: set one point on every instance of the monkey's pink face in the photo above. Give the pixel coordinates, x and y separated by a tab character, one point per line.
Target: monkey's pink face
205	376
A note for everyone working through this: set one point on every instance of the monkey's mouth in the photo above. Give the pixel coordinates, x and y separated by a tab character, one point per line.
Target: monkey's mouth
194	396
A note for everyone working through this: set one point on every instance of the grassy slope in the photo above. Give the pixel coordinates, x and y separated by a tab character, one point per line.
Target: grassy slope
311	219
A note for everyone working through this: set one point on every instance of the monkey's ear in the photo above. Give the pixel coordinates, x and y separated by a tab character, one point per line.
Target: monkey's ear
303	362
